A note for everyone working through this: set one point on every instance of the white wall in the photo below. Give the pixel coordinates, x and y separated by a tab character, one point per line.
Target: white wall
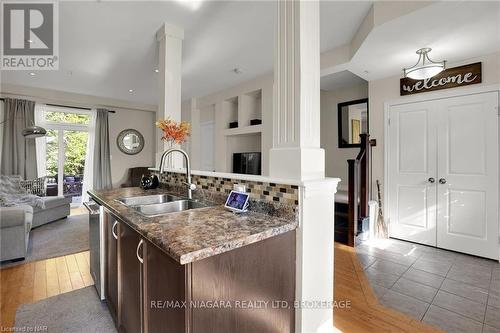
384	90
128	115
211	107
336	158
142	121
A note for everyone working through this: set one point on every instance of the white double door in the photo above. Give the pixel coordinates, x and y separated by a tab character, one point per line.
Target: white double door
443	173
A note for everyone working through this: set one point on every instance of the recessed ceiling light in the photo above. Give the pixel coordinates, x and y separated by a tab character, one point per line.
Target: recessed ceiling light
131	90
156	70
32	73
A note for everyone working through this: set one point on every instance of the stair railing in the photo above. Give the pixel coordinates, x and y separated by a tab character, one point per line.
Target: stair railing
358	187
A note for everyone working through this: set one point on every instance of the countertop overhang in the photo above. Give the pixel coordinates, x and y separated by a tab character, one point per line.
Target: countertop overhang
193	234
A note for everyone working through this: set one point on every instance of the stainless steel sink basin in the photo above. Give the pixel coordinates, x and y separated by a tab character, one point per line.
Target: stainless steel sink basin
169	207
148	199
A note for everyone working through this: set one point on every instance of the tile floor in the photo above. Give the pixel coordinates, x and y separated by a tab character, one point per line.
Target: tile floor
453	291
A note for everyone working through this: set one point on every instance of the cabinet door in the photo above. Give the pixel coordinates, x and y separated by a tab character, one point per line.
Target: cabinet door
164	285
260	272
130	272
111	269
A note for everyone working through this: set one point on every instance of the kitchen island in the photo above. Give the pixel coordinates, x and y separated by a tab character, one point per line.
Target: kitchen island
199	270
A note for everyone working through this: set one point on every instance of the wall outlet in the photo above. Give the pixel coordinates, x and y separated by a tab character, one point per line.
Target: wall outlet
239	188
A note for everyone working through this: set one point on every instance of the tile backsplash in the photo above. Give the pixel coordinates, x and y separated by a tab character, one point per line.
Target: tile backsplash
288	194
269	198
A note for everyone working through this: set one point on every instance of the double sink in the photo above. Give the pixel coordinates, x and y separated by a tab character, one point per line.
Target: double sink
159	204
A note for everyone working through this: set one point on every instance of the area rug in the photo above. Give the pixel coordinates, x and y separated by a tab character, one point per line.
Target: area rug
76	311
59	238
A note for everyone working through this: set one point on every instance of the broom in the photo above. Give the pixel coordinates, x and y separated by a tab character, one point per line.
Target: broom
381	227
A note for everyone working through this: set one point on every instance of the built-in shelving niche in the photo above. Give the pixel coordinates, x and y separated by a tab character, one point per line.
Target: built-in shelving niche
250	107
231	111
245	138
242	143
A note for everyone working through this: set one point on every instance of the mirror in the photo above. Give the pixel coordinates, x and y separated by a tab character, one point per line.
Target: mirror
130	141
352	121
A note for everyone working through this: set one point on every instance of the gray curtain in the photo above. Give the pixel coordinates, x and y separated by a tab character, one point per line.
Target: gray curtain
102	160
18	152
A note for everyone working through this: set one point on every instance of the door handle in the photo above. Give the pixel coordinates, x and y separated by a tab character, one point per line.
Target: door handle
431	180
442	181
141	260
113	230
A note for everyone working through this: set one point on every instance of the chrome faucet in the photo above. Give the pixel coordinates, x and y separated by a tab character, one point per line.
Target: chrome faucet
191	186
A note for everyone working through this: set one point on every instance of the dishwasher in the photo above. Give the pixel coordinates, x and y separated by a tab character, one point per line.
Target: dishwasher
96	245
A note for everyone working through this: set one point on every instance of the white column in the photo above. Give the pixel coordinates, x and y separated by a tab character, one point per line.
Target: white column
296	154
296	151
169	38
195	145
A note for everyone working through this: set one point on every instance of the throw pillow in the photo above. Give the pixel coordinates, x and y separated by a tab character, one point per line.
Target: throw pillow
11	184
35	186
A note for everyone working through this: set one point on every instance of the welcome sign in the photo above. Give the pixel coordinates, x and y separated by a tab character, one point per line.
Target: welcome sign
449	78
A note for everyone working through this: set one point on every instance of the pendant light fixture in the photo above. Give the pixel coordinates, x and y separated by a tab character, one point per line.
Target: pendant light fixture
31	132
424	68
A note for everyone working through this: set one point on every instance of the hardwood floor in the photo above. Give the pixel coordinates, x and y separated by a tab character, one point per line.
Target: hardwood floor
38	280
365	314
35	281
78	210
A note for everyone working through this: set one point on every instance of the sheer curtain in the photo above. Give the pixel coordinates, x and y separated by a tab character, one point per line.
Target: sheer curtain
88	171
40	143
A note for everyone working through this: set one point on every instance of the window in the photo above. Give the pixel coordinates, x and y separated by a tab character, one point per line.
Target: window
67	117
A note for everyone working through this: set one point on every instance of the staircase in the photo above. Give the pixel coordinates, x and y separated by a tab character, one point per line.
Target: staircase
351	208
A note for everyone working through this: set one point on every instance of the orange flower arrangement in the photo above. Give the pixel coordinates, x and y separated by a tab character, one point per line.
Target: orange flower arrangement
174	132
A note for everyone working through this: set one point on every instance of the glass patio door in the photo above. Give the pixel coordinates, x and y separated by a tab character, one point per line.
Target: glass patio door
65	152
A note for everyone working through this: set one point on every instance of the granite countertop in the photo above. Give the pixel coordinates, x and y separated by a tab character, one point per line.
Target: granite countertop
194	234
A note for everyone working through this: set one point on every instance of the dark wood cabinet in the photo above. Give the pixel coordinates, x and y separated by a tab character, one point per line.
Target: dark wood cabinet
111	268
149	292
164	281
130	276
262	273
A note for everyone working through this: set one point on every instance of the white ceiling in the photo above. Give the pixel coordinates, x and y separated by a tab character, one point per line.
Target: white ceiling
340	80
455	30
107	48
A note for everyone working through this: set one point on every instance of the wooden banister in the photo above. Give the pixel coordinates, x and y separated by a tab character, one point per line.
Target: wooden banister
359	186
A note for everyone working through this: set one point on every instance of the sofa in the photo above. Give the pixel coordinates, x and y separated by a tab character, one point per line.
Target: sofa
15	224
56	208
17	220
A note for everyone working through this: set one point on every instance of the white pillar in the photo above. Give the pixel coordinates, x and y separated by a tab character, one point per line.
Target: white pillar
169	38
296	154
296	151
195	144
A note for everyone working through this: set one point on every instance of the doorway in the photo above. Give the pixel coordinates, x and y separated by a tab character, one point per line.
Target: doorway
443	173
65	149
